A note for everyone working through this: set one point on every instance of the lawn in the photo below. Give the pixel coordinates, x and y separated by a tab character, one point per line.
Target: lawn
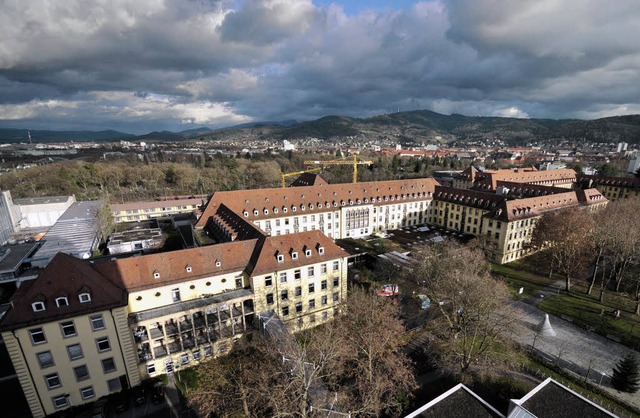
586	311
517	278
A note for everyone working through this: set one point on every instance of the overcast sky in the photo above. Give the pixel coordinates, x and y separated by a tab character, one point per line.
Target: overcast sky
141	65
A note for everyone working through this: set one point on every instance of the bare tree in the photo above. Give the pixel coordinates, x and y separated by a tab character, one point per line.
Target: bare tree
472	321
567	236
377	374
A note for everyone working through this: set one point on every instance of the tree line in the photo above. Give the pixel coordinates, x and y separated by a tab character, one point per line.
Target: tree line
602	248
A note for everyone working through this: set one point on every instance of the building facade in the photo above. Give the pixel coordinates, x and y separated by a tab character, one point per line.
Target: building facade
84	329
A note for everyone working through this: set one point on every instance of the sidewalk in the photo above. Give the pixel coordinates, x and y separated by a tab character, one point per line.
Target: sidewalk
172	396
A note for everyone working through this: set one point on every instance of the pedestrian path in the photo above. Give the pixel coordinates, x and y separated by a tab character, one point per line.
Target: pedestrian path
584	353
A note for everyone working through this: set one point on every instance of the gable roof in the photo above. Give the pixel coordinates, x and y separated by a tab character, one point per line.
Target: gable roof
259	204
266	260
153	270
552	399
459	401
65	276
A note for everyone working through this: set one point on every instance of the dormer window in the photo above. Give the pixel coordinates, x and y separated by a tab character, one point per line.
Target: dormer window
255	212
37	306
307	253
284	210
188	268
275	210
293	208
294	255
245	213
266	211
84	297
320	250
62	301
156	274
280	258
218	263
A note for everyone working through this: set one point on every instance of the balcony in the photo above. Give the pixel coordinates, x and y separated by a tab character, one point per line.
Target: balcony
156	332
174	346
202	338
140	334
159	351
188	342
185	325
171	328
198	320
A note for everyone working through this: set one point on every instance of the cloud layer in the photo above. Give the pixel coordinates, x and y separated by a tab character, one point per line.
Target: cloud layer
141	65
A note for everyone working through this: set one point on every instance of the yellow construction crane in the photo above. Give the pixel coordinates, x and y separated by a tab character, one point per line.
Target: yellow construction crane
295	173
355	164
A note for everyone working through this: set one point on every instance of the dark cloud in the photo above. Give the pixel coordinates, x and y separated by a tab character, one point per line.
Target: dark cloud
159	64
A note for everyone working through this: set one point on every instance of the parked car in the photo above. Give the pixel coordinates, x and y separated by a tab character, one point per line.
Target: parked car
138	395
157	393
120	402
99	409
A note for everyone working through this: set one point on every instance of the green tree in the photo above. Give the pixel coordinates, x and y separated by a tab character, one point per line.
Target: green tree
626	374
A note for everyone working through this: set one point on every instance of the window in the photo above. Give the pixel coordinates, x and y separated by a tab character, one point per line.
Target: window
283	277
60	401
323	285
103	344
312	287
335	297
68	329
53	381
114	385
156	274
312	303
45	359
294	255
184	358
268	281
270	298
62	302
108	365
238	282
37	336
297	274
196	355
84	297
151	368
307	253
97	322
324	300
320	250
325	315
37	306
189	269
75	351
323	269
175	294
208	351
336	266
298	307
336	281
81	372
87	393
310	271
284	295
298	291
285	311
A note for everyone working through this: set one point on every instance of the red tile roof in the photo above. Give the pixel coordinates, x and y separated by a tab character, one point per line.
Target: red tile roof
262	203
137	273
266	257
65	276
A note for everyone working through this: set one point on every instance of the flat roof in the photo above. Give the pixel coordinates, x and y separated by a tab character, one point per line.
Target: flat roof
40	200
11	256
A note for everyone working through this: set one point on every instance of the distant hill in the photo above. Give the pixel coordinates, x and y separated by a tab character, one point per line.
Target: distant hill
427	126
409	128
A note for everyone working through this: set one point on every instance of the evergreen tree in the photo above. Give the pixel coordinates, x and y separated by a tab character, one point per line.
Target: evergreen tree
626	374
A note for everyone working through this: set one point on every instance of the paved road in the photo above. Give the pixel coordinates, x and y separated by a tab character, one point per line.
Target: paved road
573	348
